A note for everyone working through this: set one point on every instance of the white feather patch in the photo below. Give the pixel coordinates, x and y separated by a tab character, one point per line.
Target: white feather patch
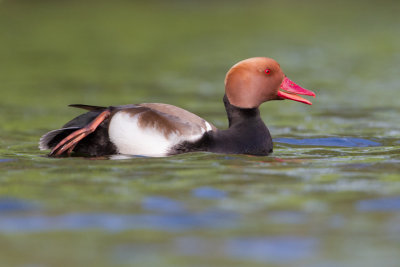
208	126
131	139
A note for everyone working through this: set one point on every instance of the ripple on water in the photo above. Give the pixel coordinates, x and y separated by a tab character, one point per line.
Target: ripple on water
329	141
162	204
8	204
271	249
379	204
281	249
118	222
208	193
6	160
287	217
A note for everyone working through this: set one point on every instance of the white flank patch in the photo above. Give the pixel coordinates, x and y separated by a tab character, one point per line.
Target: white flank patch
208	126
131	139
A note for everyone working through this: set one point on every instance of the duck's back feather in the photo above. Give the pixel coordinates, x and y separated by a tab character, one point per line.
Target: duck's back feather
151	129
154	129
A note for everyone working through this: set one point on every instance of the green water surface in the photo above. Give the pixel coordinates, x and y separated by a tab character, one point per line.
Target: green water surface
328	196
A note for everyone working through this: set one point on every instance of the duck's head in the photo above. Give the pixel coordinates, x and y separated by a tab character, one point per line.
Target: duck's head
253	81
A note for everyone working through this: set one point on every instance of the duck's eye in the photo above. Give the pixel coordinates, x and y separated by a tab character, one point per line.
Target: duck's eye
267	71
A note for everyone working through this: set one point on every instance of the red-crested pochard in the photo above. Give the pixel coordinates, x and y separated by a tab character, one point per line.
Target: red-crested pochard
154	129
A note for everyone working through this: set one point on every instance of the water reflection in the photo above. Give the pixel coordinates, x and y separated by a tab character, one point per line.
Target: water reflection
329	141
287	217
8	205
162	204
282	249
379	204
208	192
118	222
6	160
272	249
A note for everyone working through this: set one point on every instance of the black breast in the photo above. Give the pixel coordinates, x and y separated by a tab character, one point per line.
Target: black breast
247	134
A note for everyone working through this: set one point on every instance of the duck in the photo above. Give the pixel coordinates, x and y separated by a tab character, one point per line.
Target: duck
159	130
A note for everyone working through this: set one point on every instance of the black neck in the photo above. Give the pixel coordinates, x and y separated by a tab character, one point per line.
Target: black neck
238	115
247	133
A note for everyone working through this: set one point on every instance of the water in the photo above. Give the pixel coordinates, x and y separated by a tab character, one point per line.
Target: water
327	196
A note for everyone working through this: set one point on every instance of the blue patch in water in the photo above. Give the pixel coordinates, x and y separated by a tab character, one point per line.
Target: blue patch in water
208	192
282	249
6	160
329	141
359	165
379	204
15	205
162	204
117	222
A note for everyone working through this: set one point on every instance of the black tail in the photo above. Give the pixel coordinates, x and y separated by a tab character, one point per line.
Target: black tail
87	107
52	138
95	144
